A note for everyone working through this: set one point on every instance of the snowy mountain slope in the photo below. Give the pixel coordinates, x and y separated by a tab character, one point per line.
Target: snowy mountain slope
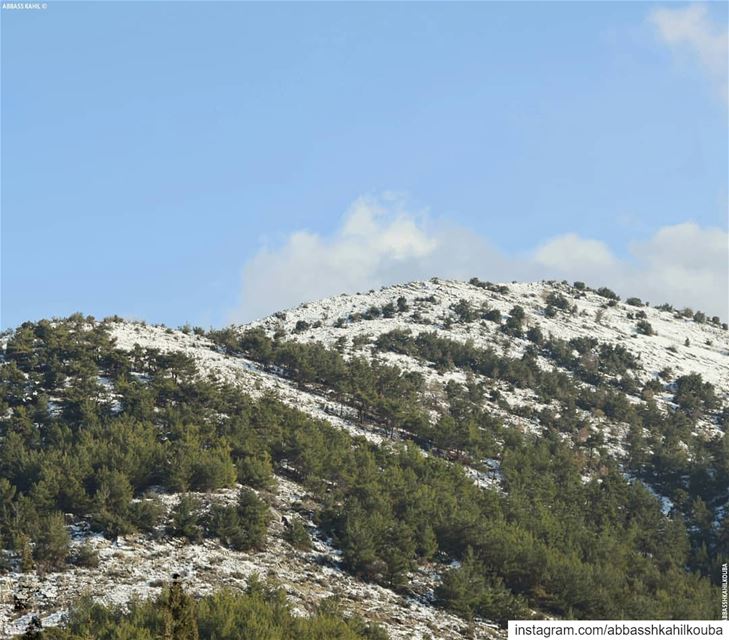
137	565
679	345
329	320
707	353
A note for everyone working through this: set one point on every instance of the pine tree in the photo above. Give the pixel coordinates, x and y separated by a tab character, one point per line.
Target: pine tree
427	542
358	544
186	519
256	471
398	550
462	587
25	551
52	542
254	517
180	620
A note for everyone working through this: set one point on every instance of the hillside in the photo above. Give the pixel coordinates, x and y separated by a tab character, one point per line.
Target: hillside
434	458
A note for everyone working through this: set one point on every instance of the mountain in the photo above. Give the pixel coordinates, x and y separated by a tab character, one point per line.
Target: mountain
432	458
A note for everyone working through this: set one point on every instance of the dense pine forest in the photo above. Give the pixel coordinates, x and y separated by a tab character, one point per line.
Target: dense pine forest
96	439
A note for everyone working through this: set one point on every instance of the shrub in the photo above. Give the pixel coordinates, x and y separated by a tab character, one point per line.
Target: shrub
361	340
515	320
492	315
463	311
535	335
694	396
608	293
372	313
86	556
256	471
146	514
490	286
645	328
301	326
557	300
186	521
297	535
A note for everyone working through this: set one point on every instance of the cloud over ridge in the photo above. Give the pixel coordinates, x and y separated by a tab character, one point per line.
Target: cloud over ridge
379	242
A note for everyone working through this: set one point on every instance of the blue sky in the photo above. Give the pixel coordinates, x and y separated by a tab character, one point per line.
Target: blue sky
159	158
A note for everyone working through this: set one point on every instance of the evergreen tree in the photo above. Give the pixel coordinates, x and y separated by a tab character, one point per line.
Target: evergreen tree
180	622
51	542
462	587
185	519
254	518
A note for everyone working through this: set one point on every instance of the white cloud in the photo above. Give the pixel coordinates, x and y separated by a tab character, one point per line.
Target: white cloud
682	264
379	242
566	250
690	30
